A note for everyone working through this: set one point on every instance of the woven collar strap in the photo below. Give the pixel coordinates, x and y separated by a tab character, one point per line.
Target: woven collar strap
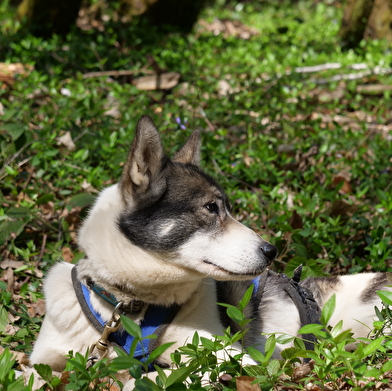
134	306
155	322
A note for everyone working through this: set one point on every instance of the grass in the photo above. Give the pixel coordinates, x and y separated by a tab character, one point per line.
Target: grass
305	159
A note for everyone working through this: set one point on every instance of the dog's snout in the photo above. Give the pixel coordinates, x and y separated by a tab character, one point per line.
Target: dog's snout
269	251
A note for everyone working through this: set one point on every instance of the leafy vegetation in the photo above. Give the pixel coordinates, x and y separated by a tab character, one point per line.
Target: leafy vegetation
304	154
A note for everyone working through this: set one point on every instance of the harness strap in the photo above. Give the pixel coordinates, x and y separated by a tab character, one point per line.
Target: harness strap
155	321
308	309
259	284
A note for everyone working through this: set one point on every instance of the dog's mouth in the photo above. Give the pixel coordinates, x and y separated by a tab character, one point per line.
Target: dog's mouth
251	274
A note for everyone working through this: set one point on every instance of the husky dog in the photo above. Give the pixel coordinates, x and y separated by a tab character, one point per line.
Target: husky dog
164	237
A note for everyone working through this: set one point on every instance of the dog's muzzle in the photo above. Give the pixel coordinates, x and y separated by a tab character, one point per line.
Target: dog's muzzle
269	251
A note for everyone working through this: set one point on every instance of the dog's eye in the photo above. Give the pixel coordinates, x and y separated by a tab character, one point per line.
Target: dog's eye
212	207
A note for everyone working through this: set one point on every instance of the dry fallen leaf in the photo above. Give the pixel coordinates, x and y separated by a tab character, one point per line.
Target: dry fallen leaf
66	141
224	88
296	220
11	329
112	107
244	383
10	263
8	72
67	254
225	379
228	28
342	208
20	357
302	371
38	381
36	309
344	177
10	278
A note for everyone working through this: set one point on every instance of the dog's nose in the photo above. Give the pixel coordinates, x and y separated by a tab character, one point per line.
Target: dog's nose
269	251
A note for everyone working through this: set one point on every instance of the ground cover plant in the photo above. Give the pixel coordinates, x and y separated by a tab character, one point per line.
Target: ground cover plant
296	129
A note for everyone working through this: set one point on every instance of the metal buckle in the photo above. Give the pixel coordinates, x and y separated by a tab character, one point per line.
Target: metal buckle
101	347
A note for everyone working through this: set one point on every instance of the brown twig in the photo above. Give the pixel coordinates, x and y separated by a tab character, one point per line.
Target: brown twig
204	116
284	252
318	68
41	254
12	158
113	73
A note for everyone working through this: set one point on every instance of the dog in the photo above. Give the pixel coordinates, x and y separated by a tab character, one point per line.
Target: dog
163	237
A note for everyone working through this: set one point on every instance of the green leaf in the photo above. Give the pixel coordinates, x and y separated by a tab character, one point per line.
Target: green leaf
125	362
273	367
284	339
81	200
9	114
208	344
6	363
373	346
18	213
136	371
374	372
195	339
337	329
176	358
270	346
14	130
256	355
385	296
146	384
45	371
161	375
235	314
80	366
246	298
3	318
312	328
9	227
55	381
387	366
179	375
328	310
45	199
158	351
131	327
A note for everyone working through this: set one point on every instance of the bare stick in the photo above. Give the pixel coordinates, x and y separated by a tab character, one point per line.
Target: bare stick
113	73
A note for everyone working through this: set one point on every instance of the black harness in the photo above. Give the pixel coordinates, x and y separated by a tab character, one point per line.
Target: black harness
308	309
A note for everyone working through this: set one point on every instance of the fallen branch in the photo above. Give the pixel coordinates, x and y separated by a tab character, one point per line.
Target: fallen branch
163	81
353	76
113	73
373	89
318	68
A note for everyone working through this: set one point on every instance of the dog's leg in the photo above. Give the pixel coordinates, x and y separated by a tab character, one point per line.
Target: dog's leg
356	298
65	327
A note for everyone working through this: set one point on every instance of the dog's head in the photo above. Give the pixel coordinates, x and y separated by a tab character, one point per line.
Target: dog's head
175	210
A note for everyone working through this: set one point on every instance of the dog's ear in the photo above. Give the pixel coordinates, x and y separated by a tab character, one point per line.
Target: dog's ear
190	152
143	176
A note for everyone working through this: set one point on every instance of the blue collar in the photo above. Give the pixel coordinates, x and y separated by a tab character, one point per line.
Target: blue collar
154	318
155	321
